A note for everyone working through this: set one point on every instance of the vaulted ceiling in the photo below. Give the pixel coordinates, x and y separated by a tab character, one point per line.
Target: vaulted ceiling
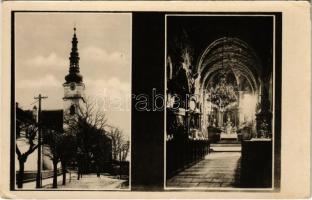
229	55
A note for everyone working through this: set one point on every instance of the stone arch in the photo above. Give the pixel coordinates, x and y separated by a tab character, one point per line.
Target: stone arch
233	55
230	56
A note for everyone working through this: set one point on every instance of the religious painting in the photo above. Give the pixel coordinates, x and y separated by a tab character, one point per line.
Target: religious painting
220	101
72	99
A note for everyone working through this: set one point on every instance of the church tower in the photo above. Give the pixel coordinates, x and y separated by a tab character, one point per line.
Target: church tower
74	88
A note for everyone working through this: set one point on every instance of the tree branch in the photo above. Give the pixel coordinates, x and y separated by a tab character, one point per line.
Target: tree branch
18	152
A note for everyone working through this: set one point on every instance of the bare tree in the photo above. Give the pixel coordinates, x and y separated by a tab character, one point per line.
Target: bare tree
120	147
26	128
68	151
53	140
92	114
86	125
125	150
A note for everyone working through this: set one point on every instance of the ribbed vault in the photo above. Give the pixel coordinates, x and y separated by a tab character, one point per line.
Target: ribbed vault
229	55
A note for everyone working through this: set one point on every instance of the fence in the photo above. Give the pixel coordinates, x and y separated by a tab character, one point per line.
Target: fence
120	168
31	175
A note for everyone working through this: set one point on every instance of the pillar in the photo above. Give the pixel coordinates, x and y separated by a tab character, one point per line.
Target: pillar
264	117
240	110
220	118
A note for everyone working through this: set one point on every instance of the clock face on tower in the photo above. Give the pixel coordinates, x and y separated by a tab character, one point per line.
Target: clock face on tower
72	86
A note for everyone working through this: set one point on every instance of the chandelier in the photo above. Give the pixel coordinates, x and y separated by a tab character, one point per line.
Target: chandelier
223	93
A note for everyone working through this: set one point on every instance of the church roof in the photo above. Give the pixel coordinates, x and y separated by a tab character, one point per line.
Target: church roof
52	119
24	115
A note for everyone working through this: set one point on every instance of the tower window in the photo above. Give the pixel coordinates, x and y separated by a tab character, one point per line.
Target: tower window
72	86
72	110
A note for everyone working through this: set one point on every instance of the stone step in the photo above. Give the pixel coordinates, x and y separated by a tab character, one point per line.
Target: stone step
228	136
226	148
226	145
228	142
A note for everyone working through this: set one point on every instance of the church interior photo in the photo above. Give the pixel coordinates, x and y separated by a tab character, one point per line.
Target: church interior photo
220	101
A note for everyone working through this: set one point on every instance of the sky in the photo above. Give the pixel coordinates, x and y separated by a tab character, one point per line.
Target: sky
42	48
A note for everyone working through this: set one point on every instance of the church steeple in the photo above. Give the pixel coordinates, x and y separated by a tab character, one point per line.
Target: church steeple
74	88
74	75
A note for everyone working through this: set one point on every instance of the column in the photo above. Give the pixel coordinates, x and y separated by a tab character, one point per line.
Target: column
240	107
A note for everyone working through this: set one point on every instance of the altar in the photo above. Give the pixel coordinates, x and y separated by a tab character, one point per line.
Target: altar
228	131
228	136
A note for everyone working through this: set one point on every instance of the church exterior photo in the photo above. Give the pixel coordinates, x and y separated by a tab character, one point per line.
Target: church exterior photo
75	145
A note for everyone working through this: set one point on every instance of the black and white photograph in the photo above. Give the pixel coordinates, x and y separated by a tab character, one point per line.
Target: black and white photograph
155	100
72	86
220	101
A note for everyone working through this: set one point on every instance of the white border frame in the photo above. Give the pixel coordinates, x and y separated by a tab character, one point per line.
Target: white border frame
296	93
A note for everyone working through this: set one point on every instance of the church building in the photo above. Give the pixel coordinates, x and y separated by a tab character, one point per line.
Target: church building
74	88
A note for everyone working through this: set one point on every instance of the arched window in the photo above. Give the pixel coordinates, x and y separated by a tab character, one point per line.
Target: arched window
72	110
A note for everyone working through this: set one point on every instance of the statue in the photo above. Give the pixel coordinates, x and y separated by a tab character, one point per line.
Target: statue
228	128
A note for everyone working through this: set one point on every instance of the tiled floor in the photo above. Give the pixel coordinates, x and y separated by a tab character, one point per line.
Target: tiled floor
219	169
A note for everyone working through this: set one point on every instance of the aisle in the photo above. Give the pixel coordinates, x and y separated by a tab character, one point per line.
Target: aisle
218	169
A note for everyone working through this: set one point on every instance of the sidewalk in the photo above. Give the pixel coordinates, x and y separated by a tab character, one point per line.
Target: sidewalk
87	182
32	184
92	182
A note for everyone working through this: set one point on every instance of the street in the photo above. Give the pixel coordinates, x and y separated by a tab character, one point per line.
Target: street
87	182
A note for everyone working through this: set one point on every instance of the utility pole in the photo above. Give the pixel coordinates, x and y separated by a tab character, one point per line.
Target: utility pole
39	178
